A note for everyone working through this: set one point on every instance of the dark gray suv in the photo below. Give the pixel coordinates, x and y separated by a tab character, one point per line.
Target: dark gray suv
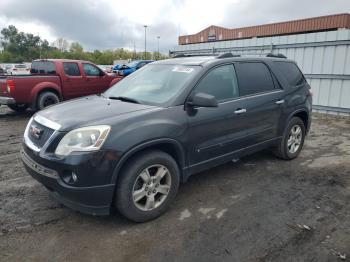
131	146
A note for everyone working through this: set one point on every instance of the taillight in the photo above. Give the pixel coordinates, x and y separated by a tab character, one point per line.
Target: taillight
15	69
10	86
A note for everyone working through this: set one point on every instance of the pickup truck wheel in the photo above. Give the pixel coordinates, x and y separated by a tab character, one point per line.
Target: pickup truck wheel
46	99
18	107
292	140
147	186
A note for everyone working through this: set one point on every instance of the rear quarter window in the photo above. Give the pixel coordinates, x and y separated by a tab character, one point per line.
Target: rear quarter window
291	73
43	67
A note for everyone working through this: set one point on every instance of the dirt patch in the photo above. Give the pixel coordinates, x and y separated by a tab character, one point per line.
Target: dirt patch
251	210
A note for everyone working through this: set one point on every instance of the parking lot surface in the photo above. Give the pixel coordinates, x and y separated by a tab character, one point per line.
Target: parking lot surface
259	208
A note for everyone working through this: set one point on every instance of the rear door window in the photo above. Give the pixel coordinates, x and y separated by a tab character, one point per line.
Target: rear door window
291	72
71	69
253	78
43	67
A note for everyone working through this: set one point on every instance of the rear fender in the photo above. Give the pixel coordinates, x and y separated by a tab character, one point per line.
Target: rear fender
41	87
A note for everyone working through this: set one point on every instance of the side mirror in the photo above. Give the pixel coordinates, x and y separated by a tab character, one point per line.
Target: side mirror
102	73
203	100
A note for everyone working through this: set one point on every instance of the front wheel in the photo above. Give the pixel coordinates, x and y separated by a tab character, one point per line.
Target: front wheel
147	186
292	141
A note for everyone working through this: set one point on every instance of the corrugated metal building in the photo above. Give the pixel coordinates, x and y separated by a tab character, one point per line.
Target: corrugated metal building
320	46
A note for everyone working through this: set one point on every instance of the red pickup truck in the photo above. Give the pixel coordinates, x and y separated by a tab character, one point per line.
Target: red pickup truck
52	81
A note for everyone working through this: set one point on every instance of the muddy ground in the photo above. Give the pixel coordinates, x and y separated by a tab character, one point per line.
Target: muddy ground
257	209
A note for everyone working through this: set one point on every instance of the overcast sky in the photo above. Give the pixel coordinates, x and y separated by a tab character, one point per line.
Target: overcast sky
105	24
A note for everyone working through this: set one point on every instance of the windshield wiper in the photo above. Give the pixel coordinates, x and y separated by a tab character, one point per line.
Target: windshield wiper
124	99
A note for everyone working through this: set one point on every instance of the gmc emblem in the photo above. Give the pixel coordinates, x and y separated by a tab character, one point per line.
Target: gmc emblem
35	131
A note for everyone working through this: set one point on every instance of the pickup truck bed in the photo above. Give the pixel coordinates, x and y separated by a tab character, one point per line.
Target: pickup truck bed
25	84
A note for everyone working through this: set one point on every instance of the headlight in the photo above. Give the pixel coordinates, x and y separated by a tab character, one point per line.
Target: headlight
83	139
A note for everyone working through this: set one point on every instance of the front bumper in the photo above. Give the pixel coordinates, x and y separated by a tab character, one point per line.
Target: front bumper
95	200
7	100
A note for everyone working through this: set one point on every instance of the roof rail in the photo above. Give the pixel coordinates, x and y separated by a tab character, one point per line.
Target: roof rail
279	55
192	55
227	55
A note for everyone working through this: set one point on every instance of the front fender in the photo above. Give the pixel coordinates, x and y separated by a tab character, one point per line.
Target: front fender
114	81
145	145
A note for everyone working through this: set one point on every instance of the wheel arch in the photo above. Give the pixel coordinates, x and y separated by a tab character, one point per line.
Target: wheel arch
303	114
169	146
43	87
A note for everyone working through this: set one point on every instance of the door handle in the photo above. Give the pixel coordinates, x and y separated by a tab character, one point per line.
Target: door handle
279	102
240	111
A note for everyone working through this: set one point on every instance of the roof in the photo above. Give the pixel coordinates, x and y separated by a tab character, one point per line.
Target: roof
63	60
314	24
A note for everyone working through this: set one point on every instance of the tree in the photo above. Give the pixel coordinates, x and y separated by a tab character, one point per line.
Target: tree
22	46
19	47
76	48
62	44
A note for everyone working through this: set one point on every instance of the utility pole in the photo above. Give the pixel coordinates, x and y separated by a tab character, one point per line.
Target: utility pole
134	55
145	26
158	37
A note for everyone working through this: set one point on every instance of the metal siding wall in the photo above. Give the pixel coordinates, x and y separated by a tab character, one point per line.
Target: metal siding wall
325	61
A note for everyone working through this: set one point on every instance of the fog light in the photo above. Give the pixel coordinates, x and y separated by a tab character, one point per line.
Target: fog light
69	177
74	177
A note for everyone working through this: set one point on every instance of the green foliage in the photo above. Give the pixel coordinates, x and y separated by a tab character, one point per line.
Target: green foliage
23	47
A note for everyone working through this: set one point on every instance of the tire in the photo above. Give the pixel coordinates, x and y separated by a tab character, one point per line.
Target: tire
285	148
20	108
46	99
138	206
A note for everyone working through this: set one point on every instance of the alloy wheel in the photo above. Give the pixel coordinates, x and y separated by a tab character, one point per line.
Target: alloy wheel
294	139
151	187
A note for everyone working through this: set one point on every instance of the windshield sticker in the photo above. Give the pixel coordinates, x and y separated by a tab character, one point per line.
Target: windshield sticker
181	69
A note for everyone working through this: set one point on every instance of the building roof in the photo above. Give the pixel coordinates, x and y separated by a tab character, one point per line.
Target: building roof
314	24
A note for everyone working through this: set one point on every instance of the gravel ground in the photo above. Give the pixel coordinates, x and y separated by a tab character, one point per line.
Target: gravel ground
257	209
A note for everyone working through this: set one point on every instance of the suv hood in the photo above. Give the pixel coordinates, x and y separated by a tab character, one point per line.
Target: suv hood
90	110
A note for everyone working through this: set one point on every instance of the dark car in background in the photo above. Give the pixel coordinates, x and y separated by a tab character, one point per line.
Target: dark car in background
131	146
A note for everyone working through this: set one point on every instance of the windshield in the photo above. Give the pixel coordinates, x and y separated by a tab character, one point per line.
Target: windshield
20	66
154	84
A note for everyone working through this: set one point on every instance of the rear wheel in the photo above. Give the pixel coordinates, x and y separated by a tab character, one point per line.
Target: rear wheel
18	107
147	186
46	99
292	140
